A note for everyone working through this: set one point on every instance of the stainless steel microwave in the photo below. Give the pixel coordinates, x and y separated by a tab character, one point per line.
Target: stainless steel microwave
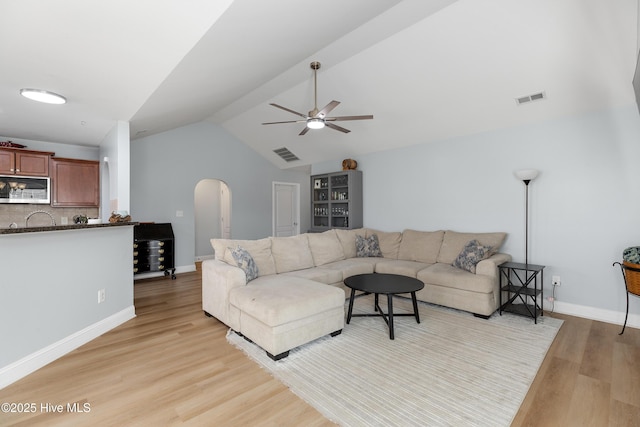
25	189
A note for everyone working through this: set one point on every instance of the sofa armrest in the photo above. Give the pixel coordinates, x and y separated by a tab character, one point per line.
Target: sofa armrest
489	266
218	278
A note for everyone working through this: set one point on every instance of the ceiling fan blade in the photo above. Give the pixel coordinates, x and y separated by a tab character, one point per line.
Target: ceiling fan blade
343	118
316	117
336	127
287	109
327	109
288	121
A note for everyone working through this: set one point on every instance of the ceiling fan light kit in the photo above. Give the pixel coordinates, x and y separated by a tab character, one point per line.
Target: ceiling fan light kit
315	123
317	119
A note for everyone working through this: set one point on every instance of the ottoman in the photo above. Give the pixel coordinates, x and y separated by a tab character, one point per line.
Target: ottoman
287	312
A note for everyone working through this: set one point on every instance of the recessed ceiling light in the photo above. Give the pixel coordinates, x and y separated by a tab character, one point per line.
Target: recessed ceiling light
43	96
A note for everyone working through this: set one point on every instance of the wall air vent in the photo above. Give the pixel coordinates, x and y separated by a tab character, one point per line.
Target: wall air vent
286	155
530	98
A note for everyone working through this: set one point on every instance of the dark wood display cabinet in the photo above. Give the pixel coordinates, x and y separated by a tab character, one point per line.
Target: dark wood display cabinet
154	249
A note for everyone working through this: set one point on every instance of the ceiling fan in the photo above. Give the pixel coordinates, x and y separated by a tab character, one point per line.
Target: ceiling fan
317	119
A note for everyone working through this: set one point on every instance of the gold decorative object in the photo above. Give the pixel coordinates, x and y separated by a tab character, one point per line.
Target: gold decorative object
119	218
349	164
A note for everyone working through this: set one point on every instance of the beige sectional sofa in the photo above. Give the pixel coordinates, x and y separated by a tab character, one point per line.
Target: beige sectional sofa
298	294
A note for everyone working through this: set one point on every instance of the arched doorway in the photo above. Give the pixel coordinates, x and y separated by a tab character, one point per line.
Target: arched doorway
212	211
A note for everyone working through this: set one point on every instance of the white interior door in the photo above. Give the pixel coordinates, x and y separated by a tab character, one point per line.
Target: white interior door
286	209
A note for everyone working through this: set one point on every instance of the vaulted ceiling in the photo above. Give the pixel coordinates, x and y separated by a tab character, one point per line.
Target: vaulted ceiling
428	70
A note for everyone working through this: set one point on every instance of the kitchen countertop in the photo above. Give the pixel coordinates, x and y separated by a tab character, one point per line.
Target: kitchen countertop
61	227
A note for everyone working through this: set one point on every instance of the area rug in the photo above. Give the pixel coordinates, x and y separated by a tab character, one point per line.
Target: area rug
452	369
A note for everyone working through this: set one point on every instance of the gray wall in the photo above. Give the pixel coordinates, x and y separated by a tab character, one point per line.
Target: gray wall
583	206
165	169
50	282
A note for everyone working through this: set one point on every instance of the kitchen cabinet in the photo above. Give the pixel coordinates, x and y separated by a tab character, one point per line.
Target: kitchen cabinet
24	162
75	183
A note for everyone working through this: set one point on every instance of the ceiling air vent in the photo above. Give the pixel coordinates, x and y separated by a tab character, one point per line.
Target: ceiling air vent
530	98
286	155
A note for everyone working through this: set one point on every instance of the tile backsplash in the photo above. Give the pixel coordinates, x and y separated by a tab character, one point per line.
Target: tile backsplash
17	213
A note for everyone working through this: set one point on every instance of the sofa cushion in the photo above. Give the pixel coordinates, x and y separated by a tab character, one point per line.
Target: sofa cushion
472	253
352	266
277	300
324	275
399	266
389	242
245	261
368	246
260	251
348	240
422	246
453	242
325	247
452	277
291	253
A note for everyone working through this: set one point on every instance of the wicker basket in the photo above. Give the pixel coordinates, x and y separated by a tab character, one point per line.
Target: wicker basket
632	277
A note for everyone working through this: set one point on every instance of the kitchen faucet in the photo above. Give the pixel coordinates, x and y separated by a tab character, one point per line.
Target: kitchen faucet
26	220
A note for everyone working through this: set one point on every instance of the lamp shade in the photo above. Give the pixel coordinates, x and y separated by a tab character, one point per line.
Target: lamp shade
526	174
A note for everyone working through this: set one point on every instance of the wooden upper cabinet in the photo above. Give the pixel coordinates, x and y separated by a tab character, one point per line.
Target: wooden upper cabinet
75	183
7	162
32	164
24	162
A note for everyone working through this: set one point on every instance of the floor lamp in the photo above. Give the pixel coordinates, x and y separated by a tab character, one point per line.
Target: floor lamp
526	176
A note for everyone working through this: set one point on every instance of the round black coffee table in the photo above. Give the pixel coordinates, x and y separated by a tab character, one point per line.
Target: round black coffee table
389	284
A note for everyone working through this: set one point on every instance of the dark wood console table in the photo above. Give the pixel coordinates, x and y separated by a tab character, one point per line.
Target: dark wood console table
154	249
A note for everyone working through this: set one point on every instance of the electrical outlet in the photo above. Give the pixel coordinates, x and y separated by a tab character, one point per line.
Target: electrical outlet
101	296
555	281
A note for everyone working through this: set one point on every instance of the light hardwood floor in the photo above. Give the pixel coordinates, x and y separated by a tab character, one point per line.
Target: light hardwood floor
171	365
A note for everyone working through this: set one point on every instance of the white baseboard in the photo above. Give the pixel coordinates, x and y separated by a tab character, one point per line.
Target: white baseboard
180	269
608	316
203	257
23	367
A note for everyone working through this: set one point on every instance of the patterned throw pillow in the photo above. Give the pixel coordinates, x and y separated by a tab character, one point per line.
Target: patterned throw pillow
472	253
368	246
245	262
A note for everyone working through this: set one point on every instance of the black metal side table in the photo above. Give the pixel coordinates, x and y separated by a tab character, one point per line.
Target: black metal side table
521	282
